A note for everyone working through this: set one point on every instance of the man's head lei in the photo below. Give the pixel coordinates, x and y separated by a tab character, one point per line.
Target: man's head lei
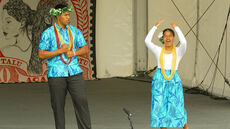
59	11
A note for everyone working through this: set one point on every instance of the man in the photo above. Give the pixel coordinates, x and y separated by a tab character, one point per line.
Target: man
58	44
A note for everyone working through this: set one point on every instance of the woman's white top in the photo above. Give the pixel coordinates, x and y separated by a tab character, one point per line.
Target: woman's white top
156	50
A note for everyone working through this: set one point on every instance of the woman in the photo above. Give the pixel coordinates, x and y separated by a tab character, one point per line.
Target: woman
16	24
17	21
167	108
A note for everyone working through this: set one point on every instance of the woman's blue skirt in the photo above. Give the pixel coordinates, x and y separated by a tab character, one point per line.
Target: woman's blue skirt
167	104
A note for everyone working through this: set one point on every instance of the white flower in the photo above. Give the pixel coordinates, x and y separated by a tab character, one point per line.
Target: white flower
160	35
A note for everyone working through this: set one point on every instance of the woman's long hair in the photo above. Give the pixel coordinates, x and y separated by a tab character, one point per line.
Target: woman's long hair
43	20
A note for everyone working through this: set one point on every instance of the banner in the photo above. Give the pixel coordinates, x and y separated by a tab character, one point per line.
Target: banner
22	23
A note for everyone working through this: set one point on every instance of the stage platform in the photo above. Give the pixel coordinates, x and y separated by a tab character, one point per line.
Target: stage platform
27	106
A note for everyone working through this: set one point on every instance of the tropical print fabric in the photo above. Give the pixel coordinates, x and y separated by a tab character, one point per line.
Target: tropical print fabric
167	104
57	68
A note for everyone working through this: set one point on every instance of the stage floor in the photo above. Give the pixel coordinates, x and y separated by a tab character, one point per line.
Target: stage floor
27	106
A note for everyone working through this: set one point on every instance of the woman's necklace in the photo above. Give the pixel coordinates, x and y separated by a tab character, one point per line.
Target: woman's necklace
173	63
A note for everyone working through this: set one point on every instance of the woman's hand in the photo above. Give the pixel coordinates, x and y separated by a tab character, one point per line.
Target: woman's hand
173	24
158	23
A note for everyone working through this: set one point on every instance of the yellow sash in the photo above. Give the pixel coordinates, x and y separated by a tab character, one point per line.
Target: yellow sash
173	63
69	34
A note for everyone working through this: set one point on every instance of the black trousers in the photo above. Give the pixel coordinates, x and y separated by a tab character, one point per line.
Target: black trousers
58	87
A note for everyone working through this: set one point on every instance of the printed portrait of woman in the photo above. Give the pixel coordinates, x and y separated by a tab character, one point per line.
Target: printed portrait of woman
17	20
22	28
21	25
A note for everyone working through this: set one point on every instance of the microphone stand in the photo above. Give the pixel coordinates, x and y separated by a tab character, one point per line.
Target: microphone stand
130	121
129	115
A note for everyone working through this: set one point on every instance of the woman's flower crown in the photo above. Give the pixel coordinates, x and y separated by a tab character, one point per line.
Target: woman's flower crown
160	37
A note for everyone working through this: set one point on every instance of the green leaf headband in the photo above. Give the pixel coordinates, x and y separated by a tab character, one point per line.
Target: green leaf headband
59	11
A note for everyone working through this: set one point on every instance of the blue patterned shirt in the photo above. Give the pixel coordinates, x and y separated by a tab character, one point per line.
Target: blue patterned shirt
57	68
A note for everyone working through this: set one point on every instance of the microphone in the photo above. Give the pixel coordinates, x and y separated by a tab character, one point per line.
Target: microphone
127	112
